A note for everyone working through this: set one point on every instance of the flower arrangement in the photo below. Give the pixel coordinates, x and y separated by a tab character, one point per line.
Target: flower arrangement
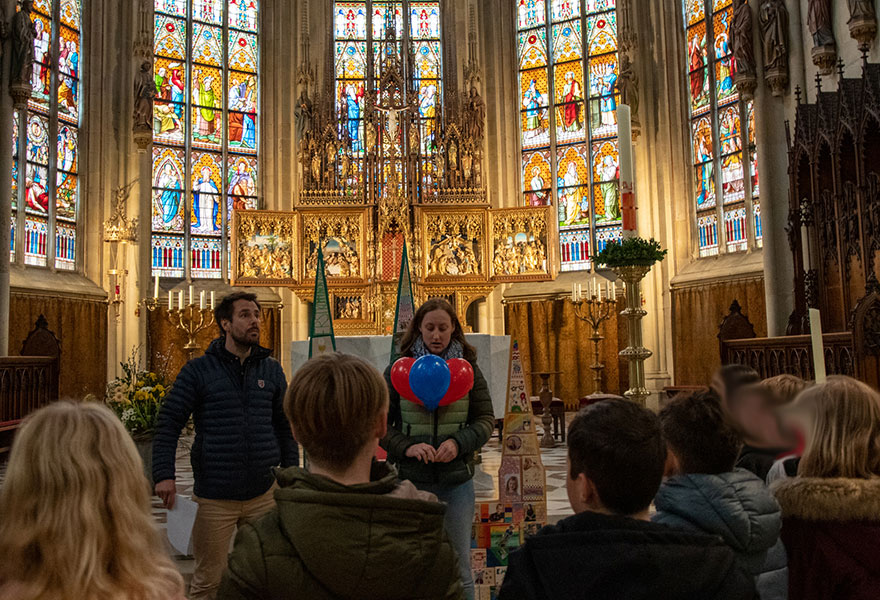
629	252
137	396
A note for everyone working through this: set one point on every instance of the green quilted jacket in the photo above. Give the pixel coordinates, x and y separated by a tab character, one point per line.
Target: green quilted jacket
469	422
325	540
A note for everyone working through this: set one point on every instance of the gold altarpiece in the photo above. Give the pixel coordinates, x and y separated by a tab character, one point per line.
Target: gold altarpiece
403	179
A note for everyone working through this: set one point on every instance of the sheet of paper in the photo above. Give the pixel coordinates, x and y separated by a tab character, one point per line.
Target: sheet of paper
180	523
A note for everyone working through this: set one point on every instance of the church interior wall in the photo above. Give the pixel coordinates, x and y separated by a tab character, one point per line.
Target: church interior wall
295	43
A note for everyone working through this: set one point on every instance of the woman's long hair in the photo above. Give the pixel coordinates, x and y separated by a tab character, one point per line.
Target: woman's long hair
415	329
843	429
75	518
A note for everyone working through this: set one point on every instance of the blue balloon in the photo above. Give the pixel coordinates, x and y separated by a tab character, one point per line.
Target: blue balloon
429	379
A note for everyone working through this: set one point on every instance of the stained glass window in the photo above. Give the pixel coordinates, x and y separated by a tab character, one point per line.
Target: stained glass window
359	32
722	134
205	131
46	182
568	69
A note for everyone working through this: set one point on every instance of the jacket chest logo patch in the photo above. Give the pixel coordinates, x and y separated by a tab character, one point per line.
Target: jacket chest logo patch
261	383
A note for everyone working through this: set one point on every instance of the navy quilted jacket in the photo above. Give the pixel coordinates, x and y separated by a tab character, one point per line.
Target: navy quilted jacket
241	430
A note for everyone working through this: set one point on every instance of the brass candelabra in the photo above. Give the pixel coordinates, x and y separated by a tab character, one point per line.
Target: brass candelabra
190	318
595	311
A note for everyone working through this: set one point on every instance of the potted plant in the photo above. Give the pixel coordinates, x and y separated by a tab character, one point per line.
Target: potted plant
136	397
631	252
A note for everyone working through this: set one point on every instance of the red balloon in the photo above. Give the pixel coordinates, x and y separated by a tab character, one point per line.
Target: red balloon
461	382
400	377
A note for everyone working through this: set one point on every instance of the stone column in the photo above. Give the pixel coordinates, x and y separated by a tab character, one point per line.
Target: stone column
770	113
8	11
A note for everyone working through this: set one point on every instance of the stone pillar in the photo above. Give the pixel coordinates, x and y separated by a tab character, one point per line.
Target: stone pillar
770	113
8	11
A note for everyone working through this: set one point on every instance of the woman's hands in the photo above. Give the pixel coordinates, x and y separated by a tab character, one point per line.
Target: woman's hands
447	452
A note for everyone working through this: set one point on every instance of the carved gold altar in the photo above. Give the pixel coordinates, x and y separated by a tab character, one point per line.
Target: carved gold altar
396	176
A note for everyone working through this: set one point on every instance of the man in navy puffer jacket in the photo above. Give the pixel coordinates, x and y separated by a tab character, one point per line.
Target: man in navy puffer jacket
706	494
234	394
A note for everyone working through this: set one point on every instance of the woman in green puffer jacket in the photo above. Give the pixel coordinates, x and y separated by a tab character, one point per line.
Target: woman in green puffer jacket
436	450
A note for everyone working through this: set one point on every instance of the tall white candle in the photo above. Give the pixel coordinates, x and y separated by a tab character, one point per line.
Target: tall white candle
156	288
202	300
190	294
627	188
170	299
613	290
180	300
818	346
212	299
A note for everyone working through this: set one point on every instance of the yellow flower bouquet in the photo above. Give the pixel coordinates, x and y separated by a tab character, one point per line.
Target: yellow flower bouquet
136	397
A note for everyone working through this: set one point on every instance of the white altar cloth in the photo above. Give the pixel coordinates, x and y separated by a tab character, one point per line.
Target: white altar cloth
493	353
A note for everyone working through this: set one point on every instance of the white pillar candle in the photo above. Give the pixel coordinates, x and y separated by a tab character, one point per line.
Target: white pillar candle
202	300
170	299
627	188
818	345
180	300
613	290
212	299
190	294
156	288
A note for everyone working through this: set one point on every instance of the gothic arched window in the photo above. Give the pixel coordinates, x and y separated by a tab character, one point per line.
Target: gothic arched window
45	136
357	47
722	140
568	69
204	131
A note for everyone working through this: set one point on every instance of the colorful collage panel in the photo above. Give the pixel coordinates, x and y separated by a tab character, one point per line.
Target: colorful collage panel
41	75
535	102
36	184
167	255
537	178
707	228
243	14
735	229
575	249
531	13
168	188
207	182
65	246
698	68
206	256
36	241
571	120
207	113
242	112
424	20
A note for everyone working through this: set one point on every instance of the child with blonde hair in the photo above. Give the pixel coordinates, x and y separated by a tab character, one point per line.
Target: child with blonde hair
75	520
831	510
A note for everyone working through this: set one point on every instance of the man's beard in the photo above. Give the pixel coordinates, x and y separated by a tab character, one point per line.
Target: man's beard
245	340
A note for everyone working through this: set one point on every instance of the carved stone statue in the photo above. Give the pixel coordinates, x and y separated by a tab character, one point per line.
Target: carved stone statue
476	116
863	21
773	18
144	92
303	115
819	21
23	31
628	84
744	49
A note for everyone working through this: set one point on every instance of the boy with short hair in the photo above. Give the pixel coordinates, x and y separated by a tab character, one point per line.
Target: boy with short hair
346	527
704	492
610	548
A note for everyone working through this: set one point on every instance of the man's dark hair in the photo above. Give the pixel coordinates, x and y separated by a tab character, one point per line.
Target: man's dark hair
618	445
735	376
224	310
699	434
